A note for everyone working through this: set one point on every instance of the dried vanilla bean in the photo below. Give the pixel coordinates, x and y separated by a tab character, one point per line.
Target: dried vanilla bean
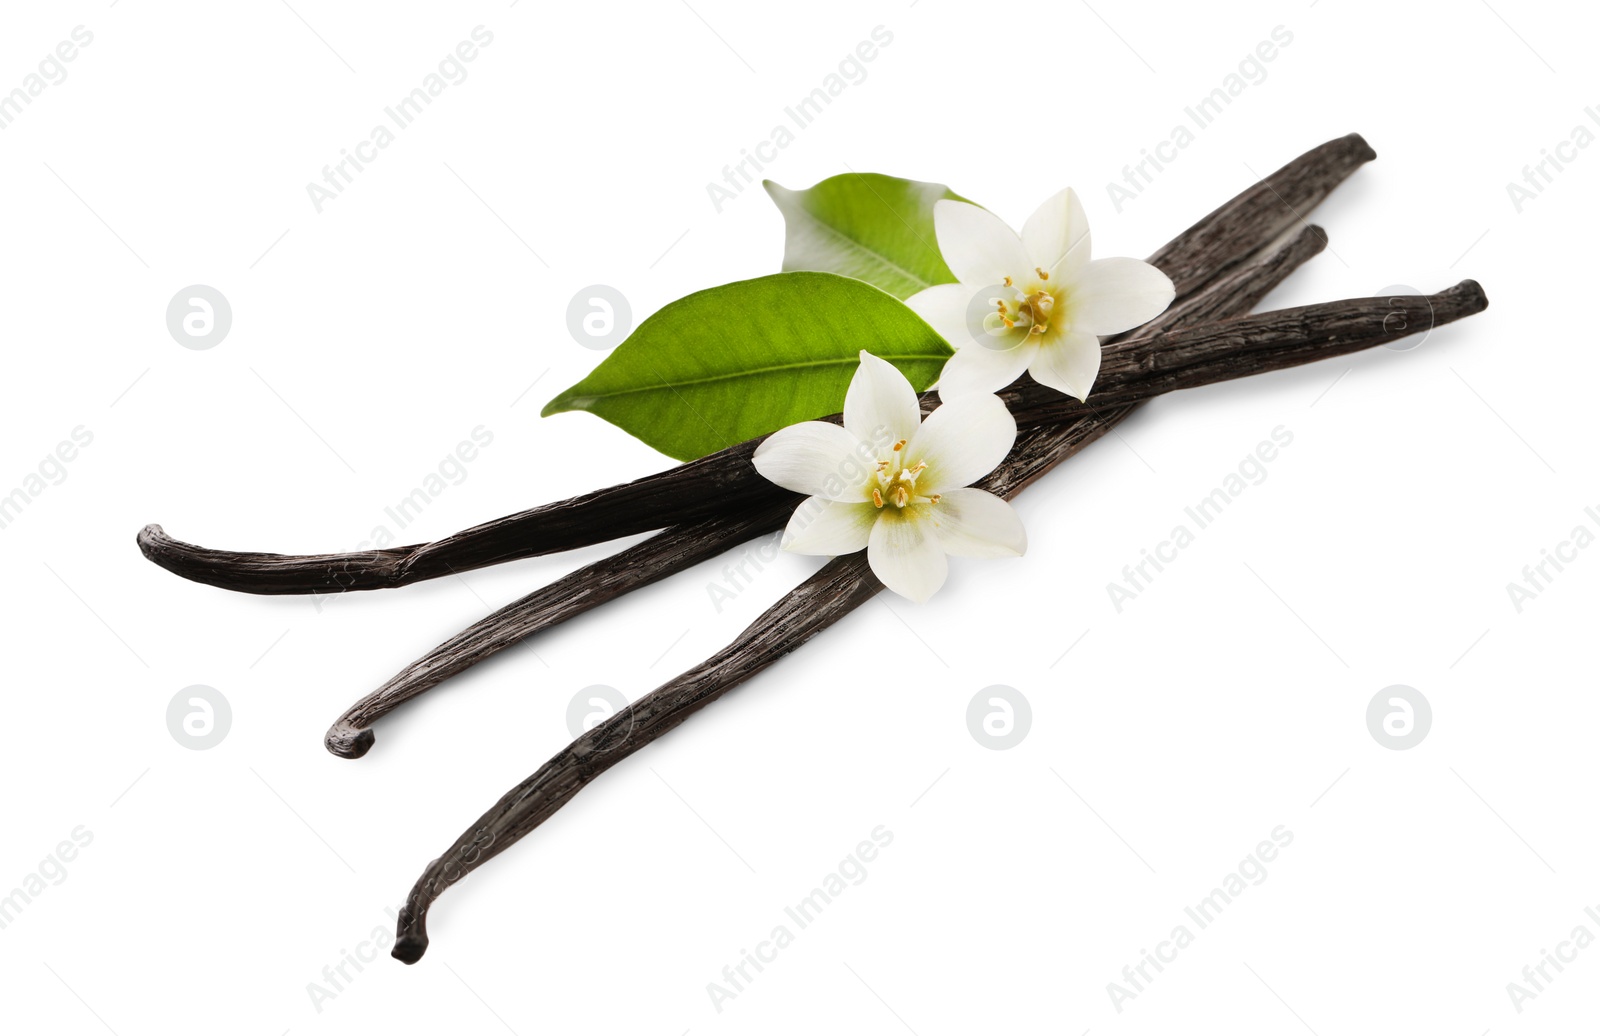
663	554
696	490
1138	368
686	493
1245	346
1274	205
678	548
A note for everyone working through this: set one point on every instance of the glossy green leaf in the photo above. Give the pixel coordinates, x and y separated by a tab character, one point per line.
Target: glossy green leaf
731	363
872	227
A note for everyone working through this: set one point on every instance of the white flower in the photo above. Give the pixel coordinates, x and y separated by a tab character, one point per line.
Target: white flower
1032	302
895	484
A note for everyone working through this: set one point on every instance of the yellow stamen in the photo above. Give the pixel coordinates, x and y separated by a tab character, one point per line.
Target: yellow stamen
877	498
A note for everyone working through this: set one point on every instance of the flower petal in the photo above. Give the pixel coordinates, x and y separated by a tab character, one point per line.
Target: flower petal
1111	295
905	556
962	441
815	458
1067	362
977	245
1057	236
944	308
978	370
880	407
971	523
829	528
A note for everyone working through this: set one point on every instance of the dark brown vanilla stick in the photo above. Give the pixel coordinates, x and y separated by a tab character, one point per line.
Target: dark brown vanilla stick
1277	203
1229	349
1133	370
686	493
675	549
643	563
698	489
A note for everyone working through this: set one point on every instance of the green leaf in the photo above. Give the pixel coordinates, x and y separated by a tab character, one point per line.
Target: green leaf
872	227
730	363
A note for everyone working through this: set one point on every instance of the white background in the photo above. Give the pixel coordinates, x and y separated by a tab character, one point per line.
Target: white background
368	339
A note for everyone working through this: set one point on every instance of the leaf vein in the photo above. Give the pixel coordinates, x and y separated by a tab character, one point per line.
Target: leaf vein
750	372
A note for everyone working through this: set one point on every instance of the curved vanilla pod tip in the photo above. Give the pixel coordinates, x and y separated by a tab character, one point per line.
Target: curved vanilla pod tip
662	555
684	493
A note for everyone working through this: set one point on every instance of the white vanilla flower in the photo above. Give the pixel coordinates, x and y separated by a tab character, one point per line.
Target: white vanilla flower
896	484
1033	301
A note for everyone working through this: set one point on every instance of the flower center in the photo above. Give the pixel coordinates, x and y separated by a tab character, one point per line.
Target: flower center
894	483
1030	306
